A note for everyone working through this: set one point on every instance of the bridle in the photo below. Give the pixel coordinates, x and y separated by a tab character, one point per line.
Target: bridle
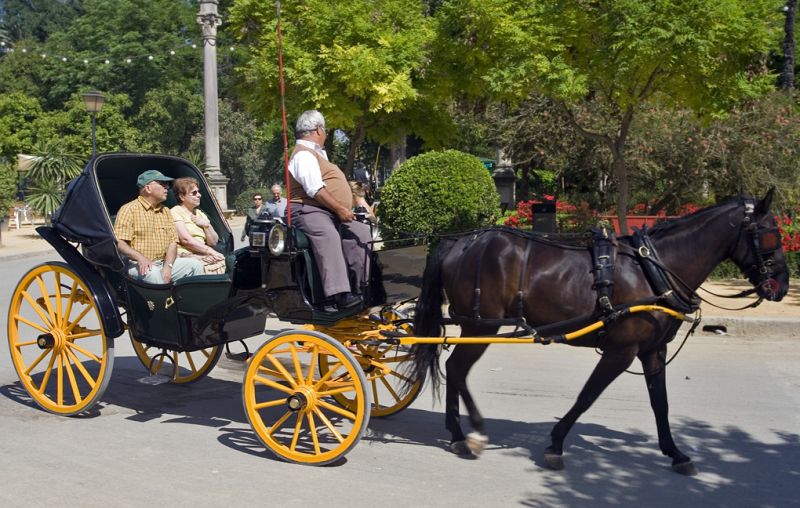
764	241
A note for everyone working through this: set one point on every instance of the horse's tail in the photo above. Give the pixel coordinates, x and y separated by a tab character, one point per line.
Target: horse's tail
428	318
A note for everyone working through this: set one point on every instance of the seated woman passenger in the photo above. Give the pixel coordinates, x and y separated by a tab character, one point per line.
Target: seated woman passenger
196	237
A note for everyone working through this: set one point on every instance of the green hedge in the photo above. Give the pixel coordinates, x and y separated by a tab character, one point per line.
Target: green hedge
437	192
245	198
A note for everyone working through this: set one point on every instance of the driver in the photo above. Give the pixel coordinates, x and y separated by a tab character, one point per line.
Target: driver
322	207
146	234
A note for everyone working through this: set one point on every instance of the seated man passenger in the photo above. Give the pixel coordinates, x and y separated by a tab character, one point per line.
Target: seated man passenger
146	234
322	207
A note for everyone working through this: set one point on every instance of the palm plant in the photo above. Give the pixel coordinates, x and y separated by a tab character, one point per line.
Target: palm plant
54	167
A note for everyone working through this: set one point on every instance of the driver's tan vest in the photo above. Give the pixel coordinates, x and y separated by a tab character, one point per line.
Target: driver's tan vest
332	177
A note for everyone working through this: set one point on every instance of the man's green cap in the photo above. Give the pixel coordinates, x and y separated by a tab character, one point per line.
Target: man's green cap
151	175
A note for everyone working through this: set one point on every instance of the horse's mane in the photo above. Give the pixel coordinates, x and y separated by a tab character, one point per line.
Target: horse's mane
669	226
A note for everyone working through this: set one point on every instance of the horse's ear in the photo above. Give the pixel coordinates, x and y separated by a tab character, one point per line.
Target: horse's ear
764	205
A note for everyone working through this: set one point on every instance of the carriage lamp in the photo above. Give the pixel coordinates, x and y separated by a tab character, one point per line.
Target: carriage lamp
505	180
268	232
94	103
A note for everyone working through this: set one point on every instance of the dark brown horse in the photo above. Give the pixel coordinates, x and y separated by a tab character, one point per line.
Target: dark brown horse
548	282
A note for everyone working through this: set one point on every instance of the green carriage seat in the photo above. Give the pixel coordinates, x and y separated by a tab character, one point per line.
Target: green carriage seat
313	281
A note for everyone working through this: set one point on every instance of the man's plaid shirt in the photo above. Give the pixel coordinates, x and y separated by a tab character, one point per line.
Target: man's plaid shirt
149	229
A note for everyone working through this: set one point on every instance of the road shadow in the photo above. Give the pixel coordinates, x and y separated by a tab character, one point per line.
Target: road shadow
611	467
603	465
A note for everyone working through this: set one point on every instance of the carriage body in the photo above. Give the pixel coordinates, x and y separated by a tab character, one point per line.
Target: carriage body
200	311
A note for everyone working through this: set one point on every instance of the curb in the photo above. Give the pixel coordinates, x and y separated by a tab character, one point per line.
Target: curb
30	254
774	327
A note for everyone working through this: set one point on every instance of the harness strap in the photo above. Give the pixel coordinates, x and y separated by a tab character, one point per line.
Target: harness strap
659	279
476	300
604	252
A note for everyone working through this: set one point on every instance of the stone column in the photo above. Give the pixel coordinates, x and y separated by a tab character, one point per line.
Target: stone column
209	20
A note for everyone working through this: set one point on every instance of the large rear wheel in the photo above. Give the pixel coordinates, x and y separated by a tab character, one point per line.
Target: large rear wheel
291	406
385	382
56	339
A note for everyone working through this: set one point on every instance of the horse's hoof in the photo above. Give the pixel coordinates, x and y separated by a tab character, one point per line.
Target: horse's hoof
685	468
477	442
461	448
553	460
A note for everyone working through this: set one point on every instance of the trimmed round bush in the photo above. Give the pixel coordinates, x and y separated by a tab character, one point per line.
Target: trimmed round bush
435	193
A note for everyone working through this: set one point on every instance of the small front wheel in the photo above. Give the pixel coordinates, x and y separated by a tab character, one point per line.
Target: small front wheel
291	406
181	367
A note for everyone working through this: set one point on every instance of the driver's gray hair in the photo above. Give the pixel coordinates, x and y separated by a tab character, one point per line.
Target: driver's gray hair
309	121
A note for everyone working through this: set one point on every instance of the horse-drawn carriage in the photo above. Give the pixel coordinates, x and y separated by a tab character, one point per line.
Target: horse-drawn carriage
308	396
309	392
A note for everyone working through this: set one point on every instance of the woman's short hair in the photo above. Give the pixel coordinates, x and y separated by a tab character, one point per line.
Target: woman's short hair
308	121
182	187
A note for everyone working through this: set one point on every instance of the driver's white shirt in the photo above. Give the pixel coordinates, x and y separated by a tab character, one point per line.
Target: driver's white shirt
304	167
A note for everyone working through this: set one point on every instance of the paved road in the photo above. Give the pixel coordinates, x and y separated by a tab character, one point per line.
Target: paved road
734	410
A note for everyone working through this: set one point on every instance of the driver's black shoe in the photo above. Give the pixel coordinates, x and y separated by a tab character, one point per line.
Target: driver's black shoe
347	300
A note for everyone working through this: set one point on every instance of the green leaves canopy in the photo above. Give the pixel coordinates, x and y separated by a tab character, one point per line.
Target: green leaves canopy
356	60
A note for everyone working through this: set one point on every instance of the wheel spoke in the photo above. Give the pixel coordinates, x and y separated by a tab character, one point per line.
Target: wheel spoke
336	409
31	324
297	428
375	400
59	381
324	379
71	299
88	354
20	345
37	309
58	299
46	376
278	365
391	390
329	424
84	335
345	388
270	372
279	423
46	300
36	362
313	366
71	375
78	319
269	403
207	352
313	429
273	384
398	375
88	377
191	362
296	361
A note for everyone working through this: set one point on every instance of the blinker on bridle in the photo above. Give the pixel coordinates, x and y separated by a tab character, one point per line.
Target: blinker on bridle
765	242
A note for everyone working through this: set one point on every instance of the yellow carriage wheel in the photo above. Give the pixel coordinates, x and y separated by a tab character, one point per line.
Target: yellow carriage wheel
56	339
181	367
291	407
385	382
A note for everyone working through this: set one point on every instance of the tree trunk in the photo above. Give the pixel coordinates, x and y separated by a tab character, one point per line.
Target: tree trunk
787	74
355	143
621	176
397	152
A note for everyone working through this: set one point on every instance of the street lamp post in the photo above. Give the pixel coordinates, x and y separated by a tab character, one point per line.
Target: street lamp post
94	103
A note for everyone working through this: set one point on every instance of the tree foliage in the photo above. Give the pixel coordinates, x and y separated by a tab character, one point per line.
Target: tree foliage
706	55
358	61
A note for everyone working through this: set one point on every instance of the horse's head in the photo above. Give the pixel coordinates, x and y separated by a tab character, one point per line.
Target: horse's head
758	251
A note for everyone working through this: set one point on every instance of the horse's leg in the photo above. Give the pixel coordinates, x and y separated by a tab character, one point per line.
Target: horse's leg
654	365
457	367
611	364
